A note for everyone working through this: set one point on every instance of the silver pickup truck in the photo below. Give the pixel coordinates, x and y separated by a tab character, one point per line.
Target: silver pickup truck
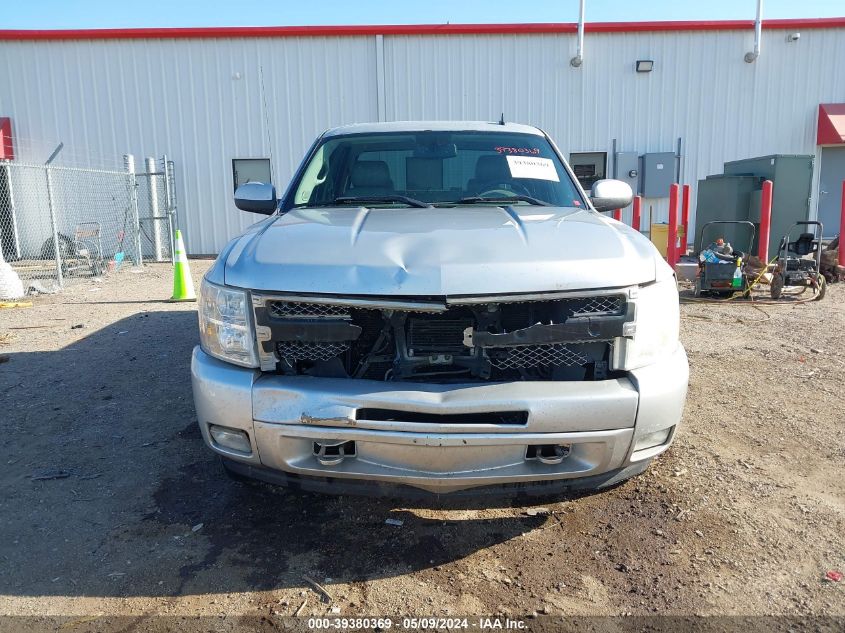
438	306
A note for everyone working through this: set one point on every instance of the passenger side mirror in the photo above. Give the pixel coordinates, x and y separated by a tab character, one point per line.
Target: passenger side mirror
256	197
609	195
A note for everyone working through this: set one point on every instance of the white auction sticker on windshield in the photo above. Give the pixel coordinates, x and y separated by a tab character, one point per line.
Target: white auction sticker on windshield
536	168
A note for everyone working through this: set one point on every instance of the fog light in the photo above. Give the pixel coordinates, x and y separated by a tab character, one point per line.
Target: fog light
231	439
653	439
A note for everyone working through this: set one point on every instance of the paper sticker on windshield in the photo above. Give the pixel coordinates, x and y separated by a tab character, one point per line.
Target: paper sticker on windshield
536	168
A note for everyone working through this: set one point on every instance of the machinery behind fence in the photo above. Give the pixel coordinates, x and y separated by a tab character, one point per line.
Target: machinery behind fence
60	224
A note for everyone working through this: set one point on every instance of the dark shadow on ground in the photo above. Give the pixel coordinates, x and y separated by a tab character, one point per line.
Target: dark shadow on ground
106	488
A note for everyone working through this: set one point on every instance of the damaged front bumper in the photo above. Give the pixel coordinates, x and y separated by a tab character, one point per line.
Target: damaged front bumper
440	437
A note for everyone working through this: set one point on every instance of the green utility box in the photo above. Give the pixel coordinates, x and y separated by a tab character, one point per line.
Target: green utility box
735	195
724	197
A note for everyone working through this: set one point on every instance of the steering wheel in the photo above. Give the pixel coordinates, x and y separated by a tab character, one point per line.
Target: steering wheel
500	189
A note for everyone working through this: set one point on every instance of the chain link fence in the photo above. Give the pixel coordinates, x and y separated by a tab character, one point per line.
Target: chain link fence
62	224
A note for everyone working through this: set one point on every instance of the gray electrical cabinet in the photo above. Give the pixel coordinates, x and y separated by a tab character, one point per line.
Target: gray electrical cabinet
658	174
736	195
792	180
628	169
723	197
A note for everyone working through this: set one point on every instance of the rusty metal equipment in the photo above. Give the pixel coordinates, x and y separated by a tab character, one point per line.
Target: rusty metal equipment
799	262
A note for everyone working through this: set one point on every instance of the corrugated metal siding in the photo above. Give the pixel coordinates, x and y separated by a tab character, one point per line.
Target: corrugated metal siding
179	97
149	97
701	90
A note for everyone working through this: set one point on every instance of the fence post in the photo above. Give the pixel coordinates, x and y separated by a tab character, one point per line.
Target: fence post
685	193
15	229
150	164
672	244
54	227
765	221
170	203
129	161
637	213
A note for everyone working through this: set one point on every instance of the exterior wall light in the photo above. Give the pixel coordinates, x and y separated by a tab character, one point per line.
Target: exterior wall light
645	65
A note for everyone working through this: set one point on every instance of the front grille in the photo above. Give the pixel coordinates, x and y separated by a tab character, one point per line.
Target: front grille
602	305
437	335
556	355
406	345
293	351
298	310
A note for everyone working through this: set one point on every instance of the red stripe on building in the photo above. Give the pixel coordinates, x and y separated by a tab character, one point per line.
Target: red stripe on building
412	29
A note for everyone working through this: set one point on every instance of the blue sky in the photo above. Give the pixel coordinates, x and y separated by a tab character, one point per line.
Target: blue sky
74	14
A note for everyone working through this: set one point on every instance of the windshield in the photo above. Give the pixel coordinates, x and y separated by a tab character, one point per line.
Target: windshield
437	168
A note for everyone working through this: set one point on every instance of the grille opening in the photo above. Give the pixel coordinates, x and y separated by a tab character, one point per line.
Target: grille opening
408	345
299	310
488	417
299	350
438	334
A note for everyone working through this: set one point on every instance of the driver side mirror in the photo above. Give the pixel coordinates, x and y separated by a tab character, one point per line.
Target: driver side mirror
609	195
256	197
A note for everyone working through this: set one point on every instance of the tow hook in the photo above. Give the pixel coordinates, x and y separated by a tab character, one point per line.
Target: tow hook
332	452
553	453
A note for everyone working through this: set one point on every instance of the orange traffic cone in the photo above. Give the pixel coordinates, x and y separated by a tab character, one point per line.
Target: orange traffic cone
183	284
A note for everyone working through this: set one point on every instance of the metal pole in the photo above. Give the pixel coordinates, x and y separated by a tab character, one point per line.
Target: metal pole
617	215
55	228
685	193
170	203
15	231
154	209
765	221
637	214
579	54
758	34
133	201
672	243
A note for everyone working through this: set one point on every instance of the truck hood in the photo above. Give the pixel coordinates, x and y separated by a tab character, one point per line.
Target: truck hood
471	250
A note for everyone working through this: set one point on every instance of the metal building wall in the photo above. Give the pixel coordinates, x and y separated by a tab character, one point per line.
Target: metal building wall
701	90
200	102
197	100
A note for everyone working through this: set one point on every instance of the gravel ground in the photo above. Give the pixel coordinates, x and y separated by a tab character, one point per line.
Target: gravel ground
112	506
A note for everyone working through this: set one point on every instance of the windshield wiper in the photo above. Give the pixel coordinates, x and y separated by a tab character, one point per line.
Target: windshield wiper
517	197
411	202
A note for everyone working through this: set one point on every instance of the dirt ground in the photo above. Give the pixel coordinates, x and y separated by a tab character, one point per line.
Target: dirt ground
110	504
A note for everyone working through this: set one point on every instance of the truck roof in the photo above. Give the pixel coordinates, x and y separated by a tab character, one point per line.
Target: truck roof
435	126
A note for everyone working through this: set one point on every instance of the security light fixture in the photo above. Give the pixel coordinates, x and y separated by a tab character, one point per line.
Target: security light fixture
645	65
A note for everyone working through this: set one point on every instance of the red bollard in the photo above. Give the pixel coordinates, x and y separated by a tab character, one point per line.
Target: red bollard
635	219
765	221
841	228
672	243
617	215
685	217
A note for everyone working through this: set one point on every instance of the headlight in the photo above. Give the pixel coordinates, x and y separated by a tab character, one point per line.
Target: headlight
225	328
658	320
